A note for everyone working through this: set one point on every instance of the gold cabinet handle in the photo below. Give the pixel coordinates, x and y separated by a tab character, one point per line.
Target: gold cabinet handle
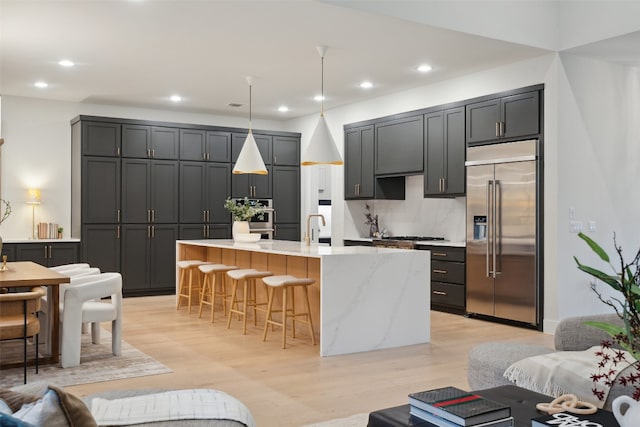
439	271
118	215
153	153
439	254
440	293
117	231
153	215
118	151
148	231
153	231
497	129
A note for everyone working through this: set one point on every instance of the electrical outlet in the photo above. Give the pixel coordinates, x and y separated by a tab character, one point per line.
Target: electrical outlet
592	225
575	226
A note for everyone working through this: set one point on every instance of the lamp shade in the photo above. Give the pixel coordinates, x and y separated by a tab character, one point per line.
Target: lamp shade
33	196
322	148
250	160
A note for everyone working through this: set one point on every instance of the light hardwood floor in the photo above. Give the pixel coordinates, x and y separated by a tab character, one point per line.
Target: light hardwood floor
295	386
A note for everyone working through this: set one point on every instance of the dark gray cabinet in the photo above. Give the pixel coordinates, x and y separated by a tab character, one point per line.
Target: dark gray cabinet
148	261
251	185
205	231
264	143
287	232
101	246
9	250
204	187
286	151
444	153
101	190
153	142
359	157
508	117
48	254
447	278
205	145
286	202
100	139
150	192
399	146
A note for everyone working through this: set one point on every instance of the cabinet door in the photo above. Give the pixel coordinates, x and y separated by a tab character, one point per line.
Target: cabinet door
192	144
218	146
286	200
456	177
287	232
482	119
100	190
62	253
352	163
218	189
286	151
163	256
367	179
135	257
262	185
136	141
219	231
399	146
521	115
36	252
101	139
434	140
262	141
164	143
164	191
192	192
252	186
136	190
101	246
193	231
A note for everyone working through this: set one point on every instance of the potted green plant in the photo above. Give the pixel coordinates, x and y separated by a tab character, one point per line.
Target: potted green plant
242	213
60	231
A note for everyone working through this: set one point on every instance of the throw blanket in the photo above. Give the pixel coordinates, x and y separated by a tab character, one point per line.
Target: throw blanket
565	372
193	404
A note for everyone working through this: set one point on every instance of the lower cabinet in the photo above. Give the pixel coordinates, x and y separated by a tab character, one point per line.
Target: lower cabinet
447	278
49	254
205	231
287	232
148	259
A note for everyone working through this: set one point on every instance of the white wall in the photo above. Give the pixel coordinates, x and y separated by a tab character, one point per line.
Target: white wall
37	151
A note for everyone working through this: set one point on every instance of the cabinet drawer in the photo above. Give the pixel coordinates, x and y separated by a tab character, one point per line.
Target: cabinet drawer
447	254
447	294
451	272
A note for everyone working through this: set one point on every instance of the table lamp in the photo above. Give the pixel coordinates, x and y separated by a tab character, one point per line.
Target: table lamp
33	199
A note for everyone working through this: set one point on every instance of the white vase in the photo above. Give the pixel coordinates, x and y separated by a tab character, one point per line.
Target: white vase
630	408
240	227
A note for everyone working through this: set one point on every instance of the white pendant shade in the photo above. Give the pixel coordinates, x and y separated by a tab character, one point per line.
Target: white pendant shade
250	160
322	148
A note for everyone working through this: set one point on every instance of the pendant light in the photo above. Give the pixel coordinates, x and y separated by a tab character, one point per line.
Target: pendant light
250	160
322	148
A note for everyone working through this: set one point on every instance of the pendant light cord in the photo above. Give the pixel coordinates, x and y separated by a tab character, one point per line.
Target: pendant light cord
322	86
249	107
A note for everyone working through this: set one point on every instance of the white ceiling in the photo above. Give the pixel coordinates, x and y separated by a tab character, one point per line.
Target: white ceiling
139	52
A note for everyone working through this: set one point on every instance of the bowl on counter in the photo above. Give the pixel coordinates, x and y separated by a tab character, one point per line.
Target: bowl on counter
247	237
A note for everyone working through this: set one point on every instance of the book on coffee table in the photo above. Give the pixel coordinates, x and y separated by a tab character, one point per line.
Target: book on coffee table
437	421
459	406
601	418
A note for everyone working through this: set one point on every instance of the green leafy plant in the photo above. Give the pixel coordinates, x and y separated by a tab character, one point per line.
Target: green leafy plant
242	211
7	210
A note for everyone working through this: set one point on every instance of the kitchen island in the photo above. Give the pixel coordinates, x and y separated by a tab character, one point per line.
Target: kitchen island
364	298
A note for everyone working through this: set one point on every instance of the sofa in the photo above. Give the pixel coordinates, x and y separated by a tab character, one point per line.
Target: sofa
65	409
488	361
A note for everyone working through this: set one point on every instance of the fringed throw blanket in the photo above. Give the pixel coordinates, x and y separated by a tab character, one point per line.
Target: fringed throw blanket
171	405
563	372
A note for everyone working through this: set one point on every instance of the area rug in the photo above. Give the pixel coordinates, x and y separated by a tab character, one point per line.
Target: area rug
97	364
357	420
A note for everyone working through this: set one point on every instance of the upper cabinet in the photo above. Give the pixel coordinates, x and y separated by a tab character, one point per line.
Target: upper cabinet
100	139
444	153
503	118
204	145
263	142
149	142
286	151
399	146
359	156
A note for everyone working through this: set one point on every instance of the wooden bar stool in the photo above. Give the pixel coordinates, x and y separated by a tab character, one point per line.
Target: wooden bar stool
214	285
186	288
288	283
249	277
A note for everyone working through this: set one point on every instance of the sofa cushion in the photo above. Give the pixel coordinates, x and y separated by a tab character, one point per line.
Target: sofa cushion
56	409
14	399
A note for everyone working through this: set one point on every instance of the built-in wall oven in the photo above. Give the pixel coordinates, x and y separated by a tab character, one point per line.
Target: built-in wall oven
262	223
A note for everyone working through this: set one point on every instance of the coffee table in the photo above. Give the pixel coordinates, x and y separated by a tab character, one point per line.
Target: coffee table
522	403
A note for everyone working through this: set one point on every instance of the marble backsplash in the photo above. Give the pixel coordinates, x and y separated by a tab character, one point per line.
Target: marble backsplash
415	215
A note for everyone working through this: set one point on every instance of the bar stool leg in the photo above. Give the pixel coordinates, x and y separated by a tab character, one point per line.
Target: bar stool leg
234	288
203	296
310	321
181	287
245	303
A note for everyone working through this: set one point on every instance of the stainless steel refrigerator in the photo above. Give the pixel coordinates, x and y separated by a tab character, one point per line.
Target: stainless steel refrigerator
503	238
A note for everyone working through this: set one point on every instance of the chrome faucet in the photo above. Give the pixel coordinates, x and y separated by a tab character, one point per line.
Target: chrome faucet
307	236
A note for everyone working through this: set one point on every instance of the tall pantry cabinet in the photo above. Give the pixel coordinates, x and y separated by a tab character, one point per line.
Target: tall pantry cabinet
138	186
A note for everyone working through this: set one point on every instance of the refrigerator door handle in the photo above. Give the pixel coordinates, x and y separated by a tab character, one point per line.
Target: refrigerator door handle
489	234
497	201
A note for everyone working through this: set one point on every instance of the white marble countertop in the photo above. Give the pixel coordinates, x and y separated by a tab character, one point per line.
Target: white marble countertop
64	240
425	242
284	247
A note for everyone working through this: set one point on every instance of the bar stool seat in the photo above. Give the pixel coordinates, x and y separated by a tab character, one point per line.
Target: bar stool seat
249	277
214	285
186	288
288	283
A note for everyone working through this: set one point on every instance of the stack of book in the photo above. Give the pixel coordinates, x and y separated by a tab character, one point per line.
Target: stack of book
452	407
47	230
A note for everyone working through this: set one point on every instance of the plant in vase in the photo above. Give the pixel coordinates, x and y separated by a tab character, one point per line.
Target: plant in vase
371	221
624	279
6	206
242	212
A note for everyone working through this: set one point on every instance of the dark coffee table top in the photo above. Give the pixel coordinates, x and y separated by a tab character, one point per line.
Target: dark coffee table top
522	403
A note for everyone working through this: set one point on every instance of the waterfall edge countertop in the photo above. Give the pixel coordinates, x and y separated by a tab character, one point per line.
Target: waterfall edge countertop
364	298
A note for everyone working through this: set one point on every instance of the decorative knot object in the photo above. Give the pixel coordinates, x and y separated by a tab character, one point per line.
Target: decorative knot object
567	403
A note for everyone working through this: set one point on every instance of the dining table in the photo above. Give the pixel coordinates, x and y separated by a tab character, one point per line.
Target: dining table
28	274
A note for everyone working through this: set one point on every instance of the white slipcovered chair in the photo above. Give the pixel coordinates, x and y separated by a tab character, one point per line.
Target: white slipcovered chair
82	304
64	267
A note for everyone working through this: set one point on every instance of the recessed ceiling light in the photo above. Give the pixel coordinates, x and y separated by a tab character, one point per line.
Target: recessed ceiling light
66	63
234	104
318	98
283	108
366	85
424	68
41	85
176	98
